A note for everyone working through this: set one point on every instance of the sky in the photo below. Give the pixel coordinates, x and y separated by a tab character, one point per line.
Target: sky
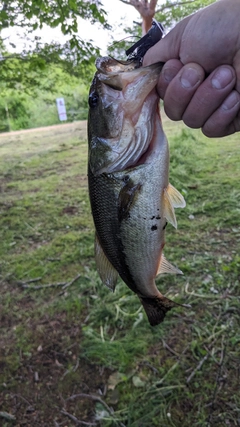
116	11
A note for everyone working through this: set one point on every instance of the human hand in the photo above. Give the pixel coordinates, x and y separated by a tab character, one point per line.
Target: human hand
206	43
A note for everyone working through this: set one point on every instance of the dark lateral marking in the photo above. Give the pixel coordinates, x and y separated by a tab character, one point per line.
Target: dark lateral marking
158	217
153	217
165	226
126	198
154	227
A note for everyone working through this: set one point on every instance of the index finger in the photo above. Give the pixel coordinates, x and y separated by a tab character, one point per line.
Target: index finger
168	47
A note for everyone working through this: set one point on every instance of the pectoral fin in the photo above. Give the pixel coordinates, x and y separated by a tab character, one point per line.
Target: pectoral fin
166	267
176	198
168	209
106	271
172	199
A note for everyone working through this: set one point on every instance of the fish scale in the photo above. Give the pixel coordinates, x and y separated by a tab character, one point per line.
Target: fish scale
130	194
104	190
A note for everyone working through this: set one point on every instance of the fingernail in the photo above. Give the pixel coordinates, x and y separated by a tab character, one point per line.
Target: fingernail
189	78
221	78
169	74
231	101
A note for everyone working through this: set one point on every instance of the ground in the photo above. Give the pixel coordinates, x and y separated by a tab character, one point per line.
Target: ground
73	353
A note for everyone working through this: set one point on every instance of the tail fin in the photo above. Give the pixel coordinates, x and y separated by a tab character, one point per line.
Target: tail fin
156	308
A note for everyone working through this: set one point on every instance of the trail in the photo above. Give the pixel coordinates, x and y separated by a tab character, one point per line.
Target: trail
82	123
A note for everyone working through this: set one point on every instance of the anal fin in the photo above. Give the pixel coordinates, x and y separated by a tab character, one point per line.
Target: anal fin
166	267
156	308
106	271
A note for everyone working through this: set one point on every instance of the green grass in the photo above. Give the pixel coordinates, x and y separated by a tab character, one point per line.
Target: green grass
86	339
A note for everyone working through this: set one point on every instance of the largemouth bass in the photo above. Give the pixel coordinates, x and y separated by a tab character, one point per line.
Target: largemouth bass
128	167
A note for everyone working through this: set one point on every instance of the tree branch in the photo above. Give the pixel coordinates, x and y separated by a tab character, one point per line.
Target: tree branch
146	10
143	7
7	416
5	5
76	420
169	6
153	4
64	285
125	2
135	3
197	368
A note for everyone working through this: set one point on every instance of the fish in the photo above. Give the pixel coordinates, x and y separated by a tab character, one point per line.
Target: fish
128	178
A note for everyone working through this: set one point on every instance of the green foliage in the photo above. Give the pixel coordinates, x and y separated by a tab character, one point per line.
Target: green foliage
42	108
14	112
34	14
74	56
170	12
25	71
37	107
77	103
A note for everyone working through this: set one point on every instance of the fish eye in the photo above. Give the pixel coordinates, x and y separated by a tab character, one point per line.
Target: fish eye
93	100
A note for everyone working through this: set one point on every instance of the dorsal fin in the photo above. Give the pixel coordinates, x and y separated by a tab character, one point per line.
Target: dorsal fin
106	271
166	267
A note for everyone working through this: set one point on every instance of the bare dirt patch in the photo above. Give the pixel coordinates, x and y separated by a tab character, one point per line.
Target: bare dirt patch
49	374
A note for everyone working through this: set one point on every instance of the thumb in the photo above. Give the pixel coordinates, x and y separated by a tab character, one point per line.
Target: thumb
168	47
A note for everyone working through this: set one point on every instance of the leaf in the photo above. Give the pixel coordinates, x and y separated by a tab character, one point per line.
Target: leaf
115	379
138	382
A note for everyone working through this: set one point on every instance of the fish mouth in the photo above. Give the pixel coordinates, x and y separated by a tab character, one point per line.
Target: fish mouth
138	105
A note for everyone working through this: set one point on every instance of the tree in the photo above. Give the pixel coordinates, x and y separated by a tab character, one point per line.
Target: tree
32	15
74	55
36	106
32	75
169	11
146	9
25	72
